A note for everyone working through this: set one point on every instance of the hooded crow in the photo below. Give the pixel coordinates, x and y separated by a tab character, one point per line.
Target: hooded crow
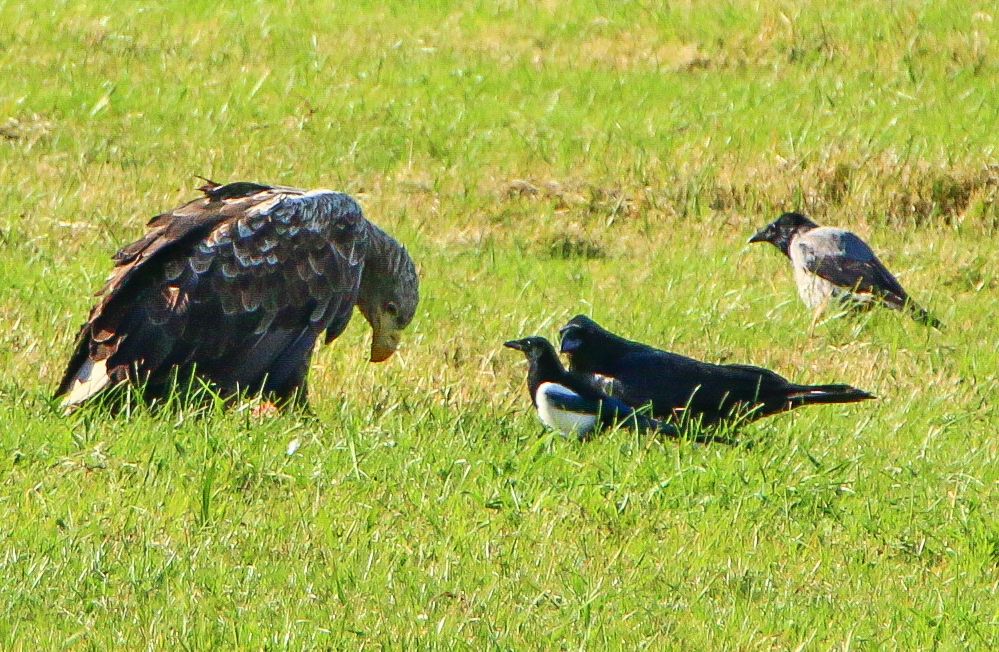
571	403
831	263
685	389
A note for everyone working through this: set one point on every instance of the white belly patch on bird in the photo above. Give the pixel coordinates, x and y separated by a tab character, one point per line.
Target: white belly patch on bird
813	289
564	421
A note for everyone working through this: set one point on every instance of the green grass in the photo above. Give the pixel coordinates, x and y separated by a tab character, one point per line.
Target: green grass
540	160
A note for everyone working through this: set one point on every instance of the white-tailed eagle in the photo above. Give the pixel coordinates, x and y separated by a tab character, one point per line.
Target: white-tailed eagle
235	288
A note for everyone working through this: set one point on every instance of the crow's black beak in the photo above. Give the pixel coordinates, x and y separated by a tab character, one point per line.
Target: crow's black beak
517	345
569	344
760	236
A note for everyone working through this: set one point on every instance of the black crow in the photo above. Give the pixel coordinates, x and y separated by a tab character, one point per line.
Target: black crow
571	403
684	389
831	263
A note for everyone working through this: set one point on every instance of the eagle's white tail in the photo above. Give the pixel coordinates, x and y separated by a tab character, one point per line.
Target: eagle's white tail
91	378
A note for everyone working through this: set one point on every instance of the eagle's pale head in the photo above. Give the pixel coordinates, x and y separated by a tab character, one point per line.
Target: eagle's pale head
390	292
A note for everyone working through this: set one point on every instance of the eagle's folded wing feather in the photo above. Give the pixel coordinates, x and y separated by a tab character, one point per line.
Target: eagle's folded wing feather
229	283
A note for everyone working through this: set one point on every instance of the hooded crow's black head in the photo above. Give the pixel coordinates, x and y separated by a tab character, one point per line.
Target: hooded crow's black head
780	231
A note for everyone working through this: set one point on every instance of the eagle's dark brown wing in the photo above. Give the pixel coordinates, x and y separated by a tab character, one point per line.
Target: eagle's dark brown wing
237	284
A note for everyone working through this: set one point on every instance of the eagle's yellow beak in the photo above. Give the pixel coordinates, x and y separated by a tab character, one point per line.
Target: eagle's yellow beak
383	344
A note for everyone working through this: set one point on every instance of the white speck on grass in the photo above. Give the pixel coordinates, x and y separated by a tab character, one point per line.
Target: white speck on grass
293	446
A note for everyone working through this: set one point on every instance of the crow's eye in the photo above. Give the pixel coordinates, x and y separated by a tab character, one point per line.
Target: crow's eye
392	309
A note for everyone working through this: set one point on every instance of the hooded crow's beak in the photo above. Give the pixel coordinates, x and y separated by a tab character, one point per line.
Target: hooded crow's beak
517	345
760	236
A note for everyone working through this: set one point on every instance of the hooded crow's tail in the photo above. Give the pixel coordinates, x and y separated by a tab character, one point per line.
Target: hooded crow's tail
917	312
817	394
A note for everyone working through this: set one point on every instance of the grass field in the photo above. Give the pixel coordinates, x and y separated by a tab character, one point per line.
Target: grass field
540	160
